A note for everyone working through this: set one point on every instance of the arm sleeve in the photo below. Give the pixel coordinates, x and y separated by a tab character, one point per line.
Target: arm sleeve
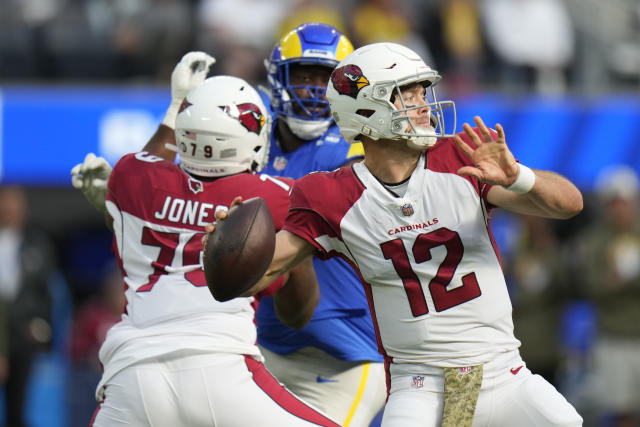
306	222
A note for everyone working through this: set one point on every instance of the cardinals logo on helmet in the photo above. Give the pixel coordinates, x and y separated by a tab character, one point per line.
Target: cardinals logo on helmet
348	80
185	104
248	114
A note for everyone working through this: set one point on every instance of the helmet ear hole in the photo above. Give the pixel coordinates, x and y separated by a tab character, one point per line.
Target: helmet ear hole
365	112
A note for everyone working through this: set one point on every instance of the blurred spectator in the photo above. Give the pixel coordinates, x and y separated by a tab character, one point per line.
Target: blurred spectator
610	263
93	39
608	43
22	37
577	334
92	320
380	20
539	287
545	45
453	31
533	39
325	11
464	42
148	35
27	262
70	49
239	34
373	21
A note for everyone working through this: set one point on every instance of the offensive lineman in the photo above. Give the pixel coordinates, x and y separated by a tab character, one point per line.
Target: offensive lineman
178	357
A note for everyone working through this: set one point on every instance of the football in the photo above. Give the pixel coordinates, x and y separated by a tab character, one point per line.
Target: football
240	249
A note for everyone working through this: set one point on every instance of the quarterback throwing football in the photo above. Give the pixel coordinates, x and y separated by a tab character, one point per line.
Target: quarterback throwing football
413	219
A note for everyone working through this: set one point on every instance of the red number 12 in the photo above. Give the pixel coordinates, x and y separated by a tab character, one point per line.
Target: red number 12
442	298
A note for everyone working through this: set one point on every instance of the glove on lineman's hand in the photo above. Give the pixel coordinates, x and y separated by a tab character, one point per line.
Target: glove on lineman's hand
91	178
191	71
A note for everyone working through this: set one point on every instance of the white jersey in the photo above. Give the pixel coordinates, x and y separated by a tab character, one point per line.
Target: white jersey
428	261
159	215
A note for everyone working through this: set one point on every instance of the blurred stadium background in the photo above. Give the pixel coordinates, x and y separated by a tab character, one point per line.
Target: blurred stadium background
79	76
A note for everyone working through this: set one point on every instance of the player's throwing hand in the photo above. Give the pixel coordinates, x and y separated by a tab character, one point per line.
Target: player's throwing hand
220	215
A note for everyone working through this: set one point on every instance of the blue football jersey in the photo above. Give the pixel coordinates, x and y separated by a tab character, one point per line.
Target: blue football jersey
341	324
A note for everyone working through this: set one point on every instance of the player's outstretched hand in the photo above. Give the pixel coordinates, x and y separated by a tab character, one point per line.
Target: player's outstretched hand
190	72
492	160
91	178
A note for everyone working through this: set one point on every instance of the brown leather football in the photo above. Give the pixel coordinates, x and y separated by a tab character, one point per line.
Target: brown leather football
240	249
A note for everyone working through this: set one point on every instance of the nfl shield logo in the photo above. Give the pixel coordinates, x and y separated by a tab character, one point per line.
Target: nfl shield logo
279	163
417	381
407	209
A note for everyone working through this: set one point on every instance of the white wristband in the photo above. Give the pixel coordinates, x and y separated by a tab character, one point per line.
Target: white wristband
525	181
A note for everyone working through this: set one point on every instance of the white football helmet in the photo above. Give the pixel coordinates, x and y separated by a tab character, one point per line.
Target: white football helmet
222	128
362	87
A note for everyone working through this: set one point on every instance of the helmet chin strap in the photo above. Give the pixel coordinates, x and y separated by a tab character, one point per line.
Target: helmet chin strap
424	138
307	129
171	147
421	142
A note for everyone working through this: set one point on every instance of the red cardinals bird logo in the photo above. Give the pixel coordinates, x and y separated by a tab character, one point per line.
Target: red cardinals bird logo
348	80
185	104
249	116
195	186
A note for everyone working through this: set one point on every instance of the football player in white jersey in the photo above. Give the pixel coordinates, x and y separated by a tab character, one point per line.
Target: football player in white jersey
178	357
413	219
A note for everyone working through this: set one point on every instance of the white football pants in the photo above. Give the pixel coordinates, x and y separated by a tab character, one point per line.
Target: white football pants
351	393
222	390
510	395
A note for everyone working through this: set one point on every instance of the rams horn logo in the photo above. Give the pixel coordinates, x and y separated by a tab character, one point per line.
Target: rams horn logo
248	114
348	80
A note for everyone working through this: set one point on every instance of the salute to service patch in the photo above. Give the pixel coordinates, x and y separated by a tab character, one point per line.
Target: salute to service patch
461	389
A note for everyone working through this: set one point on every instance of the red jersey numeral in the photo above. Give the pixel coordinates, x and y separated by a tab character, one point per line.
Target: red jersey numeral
443	299
193	255
168	242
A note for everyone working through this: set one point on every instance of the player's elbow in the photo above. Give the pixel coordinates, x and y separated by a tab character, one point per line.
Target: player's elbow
571	206
295	305
575	209
295	322
297	317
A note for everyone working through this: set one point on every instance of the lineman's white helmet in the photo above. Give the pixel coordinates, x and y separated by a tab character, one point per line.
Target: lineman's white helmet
222	128
361	89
